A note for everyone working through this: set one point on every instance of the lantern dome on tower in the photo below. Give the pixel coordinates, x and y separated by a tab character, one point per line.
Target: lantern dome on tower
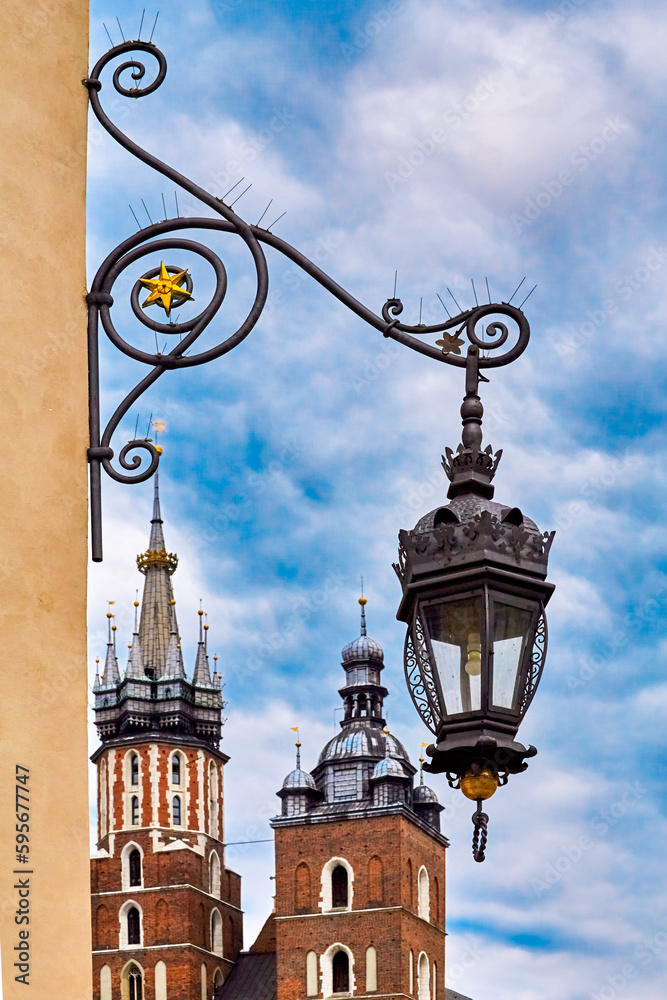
424	794
389	767
363	741
298	779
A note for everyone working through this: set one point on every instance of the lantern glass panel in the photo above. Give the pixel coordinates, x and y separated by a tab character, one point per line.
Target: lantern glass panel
511	633
455	630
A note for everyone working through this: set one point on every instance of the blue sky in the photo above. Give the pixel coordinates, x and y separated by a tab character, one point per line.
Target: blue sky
291	464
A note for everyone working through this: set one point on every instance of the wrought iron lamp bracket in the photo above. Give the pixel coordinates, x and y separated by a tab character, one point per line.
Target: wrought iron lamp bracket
155	238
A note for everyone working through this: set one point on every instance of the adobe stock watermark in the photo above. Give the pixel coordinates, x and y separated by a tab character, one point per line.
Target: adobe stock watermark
274	641
248	149
645	953
366	35
558	15
576	336
580	159
594	488
470	955
600	825
453	118
591	666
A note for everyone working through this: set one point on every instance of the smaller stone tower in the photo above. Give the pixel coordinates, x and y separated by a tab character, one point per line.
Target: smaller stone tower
360	860
166	910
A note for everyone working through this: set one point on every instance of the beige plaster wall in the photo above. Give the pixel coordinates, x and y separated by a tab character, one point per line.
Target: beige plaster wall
43	498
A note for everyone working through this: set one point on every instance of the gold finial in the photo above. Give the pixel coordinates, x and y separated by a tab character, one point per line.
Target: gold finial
109	615
136	604
97	659
166	289
206	628
216	657
114	628
362	601
172	601
200	612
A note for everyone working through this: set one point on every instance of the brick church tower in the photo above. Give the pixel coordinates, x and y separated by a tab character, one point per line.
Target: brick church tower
167	923
360	860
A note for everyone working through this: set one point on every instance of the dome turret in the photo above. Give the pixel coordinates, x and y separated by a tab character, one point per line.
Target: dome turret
363	694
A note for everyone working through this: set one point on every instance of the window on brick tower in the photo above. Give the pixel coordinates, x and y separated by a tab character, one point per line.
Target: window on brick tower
423	900
375	880
176	769
135	867
135	983
302	888
133	926
423	984
341	971
134	769
135	810
339	888
176	810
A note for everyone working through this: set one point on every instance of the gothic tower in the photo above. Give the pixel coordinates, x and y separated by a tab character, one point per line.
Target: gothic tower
360	860
166	914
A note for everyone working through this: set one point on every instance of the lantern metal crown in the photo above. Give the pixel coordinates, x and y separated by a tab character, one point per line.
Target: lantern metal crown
474	592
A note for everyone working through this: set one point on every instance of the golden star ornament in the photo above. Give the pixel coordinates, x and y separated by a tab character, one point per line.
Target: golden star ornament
166	290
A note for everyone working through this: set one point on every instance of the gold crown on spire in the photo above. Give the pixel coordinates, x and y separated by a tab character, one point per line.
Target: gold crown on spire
157	558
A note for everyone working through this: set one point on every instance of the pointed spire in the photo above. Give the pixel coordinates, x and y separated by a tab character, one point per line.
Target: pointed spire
111	673
363	602
202	674
173	667
97	672
298	755
157	565
156	543
135	661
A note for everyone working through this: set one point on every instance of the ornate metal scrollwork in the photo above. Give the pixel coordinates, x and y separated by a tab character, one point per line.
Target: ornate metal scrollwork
419	676
157	238
537	657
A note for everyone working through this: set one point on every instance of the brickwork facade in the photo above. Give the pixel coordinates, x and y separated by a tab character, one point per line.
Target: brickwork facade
386	854
188	903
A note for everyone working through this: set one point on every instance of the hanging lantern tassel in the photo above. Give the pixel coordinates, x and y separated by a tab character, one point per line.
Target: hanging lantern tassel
480	821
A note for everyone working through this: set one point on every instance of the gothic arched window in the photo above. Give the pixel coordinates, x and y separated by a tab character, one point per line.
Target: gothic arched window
312	987
302	888
135	866
339	887
216	933
135	982
375	880
135	810
176	810
340	968
176	769
371	970
423	984
214	874
423	900
134	769
133	926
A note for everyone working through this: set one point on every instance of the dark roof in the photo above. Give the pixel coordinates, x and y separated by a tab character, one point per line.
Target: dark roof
252	978
453	995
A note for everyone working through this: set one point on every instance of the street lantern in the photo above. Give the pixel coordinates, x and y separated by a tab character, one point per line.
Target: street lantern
474	592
